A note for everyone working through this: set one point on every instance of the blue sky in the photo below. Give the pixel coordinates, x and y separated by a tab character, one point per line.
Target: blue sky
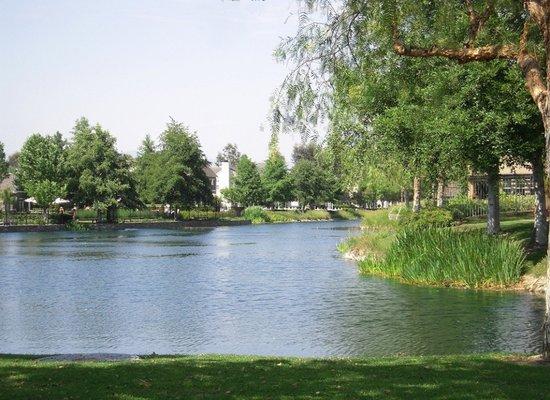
130	64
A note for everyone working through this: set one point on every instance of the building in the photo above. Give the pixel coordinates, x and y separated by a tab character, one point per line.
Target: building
517	179
220	178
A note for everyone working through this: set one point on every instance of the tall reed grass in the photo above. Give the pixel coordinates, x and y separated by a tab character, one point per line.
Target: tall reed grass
449	257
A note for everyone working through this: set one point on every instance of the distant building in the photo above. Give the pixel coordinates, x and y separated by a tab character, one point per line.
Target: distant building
220	178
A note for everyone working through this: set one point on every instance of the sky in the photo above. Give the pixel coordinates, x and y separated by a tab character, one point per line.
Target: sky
130	65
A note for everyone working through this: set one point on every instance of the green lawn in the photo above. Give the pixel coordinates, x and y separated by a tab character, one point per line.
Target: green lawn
237	377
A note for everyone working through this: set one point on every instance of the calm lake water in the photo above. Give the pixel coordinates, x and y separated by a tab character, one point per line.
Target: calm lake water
270	289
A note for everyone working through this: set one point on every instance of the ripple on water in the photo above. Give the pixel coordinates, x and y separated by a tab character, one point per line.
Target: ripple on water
269	289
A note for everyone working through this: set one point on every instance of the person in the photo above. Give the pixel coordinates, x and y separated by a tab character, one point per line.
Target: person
74	213
61	210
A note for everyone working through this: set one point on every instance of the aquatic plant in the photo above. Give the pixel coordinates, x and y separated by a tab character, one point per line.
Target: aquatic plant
450	257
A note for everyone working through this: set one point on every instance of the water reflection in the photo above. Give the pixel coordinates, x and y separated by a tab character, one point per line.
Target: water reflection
274	289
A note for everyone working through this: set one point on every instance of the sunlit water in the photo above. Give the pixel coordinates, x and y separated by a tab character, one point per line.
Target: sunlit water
270	289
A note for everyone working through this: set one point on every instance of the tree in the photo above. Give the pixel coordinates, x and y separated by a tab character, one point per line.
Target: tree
99	174
498	30
464	31
247	187
3	163
41	169
275	179
144	173
230	153
177	170
311	183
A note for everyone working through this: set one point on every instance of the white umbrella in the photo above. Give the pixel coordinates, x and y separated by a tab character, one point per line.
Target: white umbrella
30	200
61	201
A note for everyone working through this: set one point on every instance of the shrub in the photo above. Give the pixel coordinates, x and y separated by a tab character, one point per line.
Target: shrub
450	257
426	218
255	214
205	214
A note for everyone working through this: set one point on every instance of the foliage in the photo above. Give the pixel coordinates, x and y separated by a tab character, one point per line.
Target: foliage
255	214
247	189
45	192
275	179
313	185
426	218
41	170
99	175
3	162
230	153
307	150
206	215
173	173
450	257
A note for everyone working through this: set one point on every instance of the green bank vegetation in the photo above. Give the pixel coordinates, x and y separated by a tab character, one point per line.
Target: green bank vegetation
259	215
430	248
247	377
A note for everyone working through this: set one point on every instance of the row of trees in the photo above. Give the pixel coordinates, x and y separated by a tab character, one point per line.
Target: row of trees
91	172
401	107
309	181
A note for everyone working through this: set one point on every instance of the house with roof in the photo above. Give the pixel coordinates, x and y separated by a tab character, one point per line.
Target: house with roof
220	178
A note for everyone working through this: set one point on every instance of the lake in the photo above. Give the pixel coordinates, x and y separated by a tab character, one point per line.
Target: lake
279	289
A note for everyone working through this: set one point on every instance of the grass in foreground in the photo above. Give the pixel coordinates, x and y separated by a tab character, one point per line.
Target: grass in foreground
240	377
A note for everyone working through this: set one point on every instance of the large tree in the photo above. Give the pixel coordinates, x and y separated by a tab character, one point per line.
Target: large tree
173	171
41	171
247	189
275	178
99	175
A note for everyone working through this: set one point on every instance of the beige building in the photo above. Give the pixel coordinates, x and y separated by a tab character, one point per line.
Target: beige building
517	179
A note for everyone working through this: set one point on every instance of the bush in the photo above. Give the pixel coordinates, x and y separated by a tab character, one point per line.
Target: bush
426	218
255	214
450	257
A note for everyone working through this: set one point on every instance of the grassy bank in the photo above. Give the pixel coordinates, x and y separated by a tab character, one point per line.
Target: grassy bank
241	377
452	256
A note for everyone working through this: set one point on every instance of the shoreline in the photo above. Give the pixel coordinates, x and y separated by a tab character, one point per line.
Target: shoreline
211	223
126	225
528	283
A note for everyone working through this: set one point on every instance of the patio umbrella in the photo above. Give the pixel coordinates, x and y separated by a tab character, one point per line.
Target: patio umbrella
61	201
30	200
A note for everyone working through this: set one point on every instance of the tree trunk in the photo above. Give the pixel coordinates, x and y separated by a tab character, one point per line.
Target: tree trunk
416	194
405	197
493	206
546	324
440	192
541	222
